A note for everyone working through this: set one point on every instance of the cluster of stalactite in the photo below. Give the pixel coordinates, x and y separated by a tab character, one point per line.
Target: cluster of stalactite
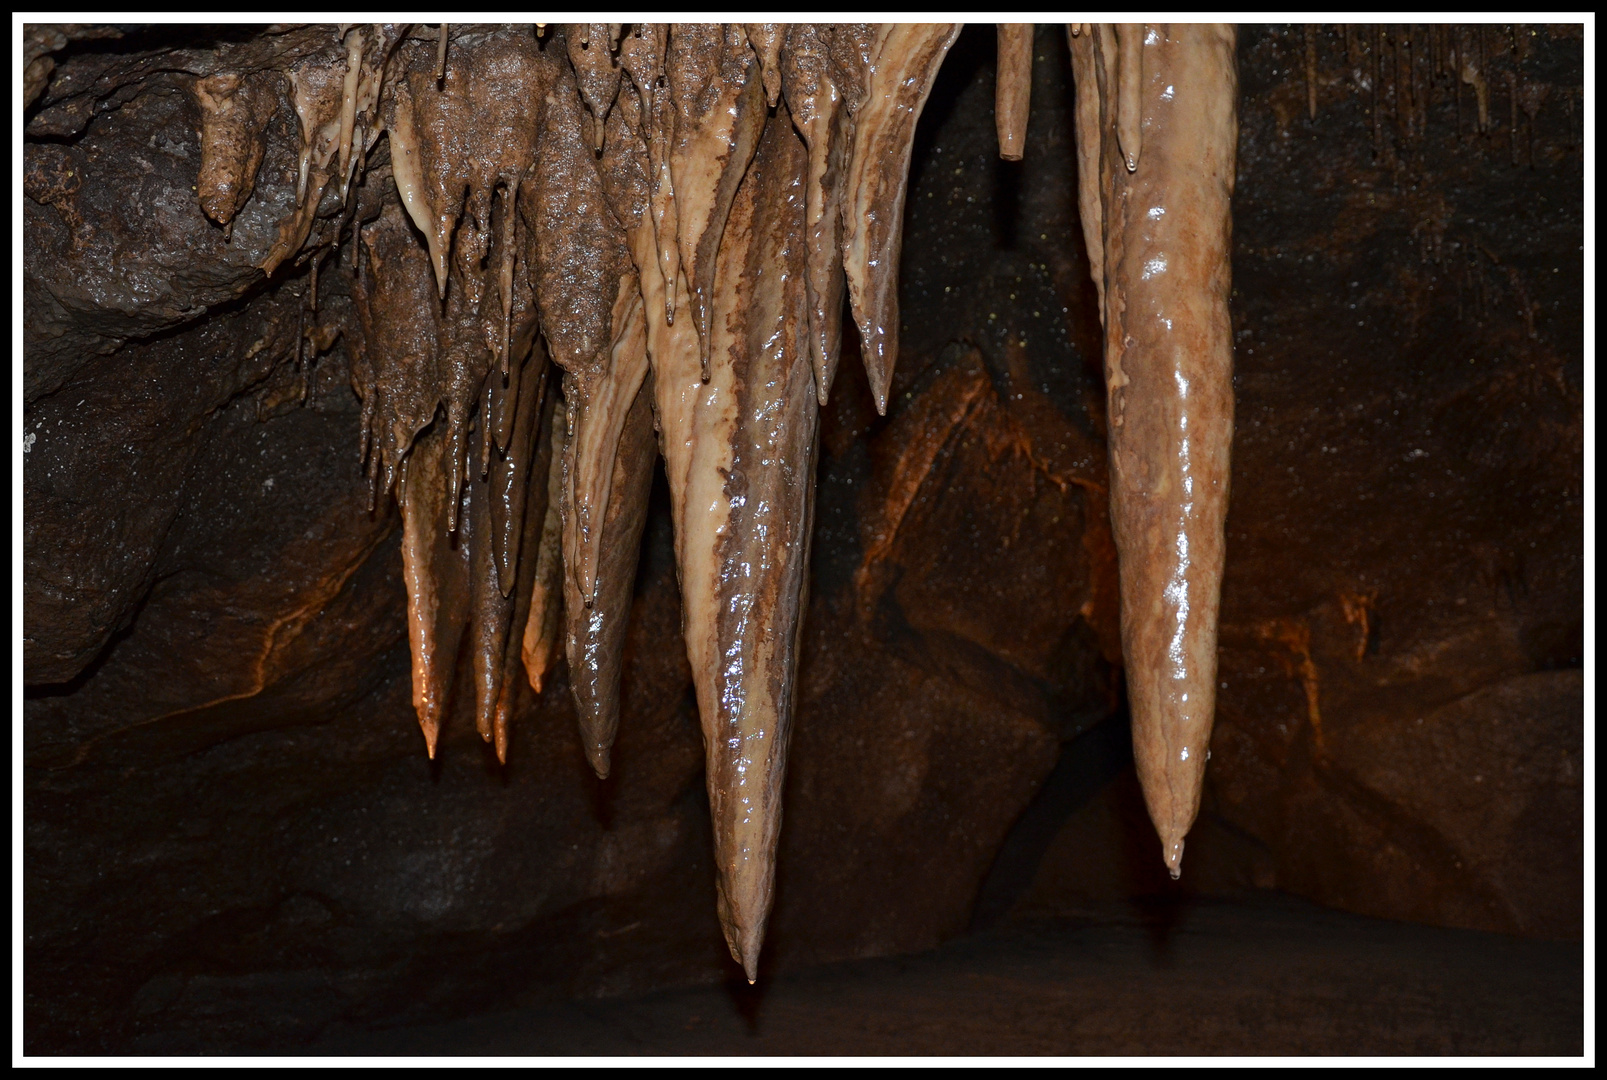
1401	71
662	224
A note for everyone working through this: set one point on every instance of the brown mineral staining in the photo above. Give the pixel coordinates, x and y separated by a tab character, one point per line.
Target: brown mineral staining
719	112
597	73
1168	366
767	39
235	110
396	370
491	612
513	463
579	246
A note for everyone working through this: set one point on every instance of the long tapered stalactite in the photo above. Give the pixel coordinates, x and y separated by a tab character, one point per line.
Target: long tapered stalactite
1166	131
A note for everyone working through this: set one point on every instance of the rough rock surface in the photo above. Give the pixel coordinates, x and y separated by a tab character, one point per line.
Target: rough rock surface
233	838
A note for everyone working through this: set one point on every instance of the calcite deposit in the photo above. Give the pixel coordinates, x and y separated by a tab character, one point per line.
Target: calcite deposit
672	217
556	259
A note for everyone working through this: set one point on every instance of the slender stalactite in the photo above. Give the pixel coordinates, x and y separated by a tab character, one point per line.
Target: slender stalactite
595	640
897	77
817	108
435	566
1013	96
676	217
1166	239
544	620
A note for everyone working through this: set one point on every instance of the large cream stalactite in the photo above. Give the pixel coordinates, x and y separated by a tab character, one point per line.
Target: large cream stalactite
1167	134
903	63
764	553
739	454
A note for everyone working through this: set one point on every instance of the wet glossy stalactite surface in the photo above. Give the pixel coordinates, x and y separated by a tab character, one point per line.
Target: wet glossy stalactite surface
230	853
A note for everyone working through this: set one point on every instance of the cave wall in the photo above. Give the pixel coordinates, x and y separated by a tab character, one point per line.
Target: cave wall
233	836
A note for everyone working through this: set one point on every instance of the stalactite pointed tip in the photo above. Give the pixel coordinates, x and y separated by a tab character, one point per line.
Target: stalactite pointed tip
601	761
1174	858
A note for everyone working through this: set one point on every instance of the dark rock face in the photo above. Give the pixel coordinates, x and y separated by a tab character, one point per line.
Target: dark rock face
233	835
1407	516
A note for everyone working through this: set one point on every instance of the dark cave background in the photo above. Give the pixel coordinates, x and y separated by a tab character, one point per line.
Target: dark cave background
234	841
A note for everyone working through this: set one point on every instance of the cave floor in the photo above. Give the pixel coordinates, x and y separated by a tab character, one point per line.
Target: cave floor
1263	975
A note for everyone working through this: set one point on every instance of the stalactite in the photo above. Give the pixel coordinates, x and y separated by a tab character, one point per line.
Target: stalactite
597	73
896	75
744	593
1013	95
436	570
767	39
817	109
539	643
235	111
596	625
718	113
675	216
1311	70
1168	367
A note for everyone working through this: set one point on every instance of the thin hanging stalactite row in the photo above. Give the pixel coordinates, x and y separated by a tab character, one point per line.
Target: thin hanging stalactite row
676	218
